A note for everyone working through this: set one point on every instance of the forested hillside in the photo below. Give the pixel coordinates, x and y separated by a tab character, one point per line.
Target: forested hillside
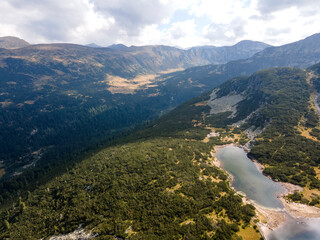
161	181
57	100
154	184
281	102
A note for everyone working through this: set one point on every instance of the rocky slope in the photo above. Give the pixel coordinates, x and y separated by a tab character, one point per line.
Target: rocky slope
12	42
301	54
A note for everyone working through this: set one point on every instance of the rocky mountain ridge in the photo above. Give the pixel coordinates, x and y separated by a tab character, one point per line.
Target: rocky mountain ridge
12	42
301	54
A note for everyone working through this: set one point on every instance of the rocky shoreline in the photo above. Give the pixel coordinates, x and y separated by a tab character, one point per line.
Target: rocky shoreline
275	217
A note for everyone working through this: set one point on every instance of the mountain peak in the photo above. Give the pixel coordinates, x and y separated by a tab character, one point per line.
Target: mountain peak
93	45
316	35
250	43
118	46
10	42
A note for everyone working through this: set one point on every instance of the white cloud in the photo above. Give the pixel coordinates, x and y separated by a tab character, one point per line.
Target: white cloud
136	22
184	34
221	12
269	6
132	15
180	34
226	34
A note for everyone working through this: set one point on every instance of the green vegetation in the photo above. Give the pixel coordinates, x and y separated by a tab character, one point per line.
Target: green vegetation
52	125
56	106
54	112
312	200
289	156
158	183
281	100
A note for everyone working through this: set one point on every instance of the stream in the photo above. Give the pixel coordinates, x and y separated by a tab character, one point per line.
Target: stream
249	180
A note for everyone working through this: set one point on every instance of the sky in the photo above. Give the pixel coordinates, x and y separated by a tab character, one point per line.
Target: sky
181	23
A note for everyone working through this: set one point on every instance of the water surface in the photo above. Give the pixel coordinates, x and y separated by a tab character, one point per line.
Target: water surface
305	229
248	178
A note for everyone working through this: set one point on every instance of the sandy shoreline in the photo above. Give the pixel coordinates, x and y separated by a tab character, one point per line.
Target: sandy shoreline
275	217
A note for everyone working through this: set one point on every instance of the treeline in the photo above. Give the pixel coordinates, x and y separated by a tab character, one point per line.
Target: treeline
74	143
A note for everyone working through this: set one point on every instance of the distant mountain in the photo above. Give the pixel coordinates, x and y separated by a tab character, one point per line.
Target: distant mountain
303	53
203	55
118	46
12	42
58	100
93	45
218	55
118	60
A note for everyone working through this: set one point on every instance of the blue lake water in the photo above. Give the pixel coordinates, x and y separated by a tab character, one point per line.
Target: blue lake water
249	180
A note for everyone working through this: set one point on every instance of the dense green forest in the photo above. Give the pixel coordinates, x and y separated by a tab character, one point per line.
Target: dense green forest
288	155
158	183
63	98
282	103
54	124
57	102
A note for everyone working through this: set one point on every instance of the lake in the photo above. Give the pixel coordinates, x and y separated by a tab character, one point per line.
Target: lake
248	179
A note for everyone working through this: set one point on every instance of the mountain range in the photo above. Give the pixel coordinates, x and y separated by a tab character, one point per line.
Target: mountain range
50	92
58	97
301	54
79	124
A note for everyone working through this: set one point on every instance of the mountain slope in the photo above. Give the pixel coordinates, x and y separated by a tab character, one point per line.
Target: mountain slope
62	100
219	55
278	110
160	182
56	98
146	186
12	42
178	58
303	53
279	103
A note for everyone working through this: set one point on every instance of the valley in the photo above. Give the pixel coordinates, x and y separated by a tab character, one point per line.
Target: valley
108	144
171	158
159	120
57	90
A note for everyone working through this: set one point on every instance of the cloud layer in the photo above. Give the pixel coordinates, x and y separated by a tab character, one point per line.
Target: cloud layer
182	23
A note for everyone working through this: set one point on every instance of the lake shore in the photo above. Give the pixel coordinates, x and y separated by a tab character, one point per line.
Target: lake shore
274	217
